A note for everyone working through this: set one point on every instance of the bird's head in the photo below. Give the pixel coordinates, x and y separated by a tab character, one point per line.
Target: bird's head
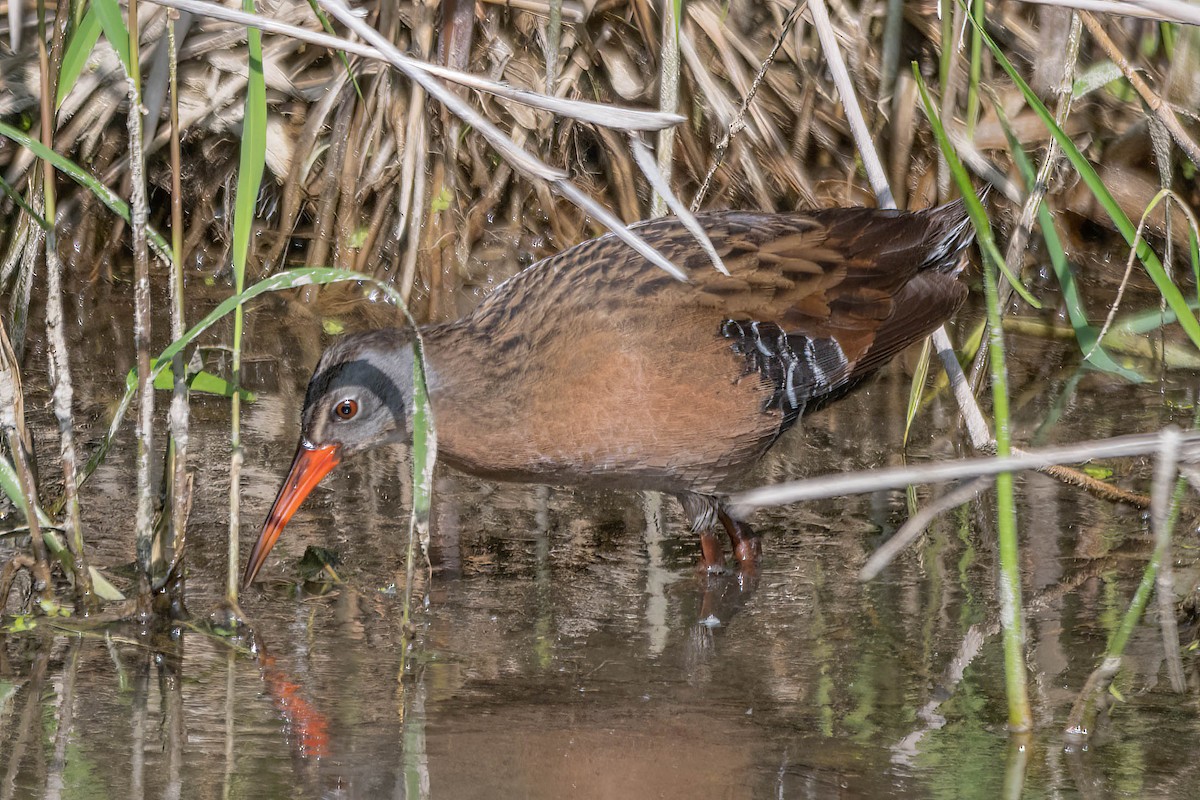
360	397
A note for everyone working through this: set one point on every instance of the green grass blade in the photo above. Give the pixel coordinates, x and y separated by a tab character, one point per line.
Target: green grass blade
16	197
108	13
84	178
978	13
1085	332
253	153
983	228
1166	287
79	49
1019	716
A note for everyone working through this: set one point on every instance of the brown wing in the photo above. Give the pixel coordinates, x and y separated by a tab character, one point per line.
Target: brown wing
635	374
849	288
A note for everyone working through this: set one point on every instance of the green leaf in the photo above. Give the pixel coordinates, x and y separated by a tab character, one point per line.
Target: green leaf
1166	287
79	50
108	13
333	327
201	382
1099	473
253	153
1095	77
81	176
1085	332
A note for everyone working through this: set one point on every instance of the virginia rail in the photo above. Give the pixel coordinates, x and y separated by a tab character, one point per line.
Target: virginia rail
595	367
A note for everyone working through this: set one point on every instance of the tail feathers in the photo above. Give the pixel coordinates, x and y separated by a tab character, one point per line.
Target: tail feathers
950	234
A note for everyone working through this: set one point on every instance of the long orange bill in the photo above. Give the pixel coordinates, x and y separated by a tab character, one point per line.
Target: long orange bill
309	466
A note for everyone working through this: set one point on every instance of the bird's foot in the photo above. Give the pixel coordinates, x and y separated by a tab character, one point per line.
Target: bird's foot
712	570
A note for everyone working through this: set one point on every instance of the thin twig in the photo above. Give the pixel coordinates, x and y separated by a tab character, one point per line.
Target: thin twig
1160	524
847	483
918	522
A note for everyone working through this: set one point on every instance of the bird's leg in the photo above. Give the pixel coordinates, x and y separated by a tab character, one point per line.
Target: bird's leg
747	546
712	559
702	510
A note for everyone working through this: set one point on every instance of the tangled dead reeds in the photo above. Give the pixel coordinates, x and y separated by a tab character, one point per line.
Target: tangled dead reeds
364	173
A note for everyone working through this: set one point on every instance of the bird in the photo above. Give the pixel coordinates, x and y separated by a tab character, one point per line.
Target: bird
594	367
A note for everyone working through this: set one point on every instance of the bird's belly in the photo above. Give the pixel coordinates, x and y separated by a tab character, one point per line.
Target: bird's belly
692	444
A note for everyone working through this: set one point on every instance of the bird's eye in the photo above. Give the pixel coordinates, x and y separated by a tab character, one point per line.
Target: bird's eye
345	410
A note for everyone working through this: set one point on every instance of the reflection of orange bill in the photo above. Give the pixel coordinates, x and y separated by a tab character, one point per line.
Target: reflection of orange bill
309	728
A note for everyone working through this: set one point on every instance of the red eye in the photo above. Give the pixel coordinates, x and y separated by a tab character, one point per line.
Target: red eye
346	409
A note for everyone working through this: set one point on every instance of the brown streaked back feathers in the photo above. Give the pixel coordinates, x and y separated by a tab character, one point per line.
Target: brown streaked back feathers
594	362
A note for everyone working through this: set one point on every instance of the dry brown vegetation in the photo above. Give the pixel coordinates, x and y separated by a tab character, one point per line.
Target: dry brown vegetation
388	183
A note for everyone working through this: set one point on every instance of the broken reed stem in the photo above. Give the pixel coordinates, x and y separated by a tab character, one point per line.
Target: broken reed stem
178	420
139	214
1162	110
62	392
668	96
1162	521
553	43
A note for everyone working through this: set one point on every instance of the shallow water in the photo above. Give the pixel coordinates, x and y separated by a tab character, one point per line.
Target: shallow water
567	648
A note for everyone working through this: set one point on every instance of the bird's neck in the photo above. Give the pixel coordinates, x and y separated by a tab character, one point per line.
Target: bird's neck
476	396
